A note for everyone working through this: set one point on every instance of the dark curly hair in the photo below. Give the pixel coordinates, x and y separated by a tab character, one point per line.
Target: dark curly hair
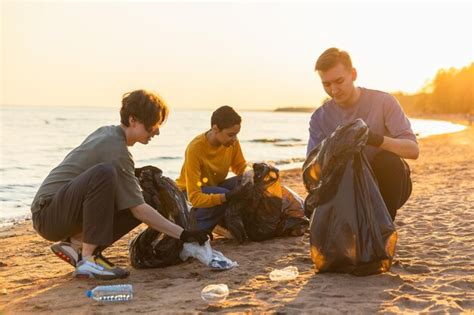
148	108
225	117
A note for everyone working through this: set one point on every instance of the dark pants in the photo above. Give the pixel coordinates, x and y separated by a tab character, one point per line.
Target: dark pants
208	218
393	177
86	205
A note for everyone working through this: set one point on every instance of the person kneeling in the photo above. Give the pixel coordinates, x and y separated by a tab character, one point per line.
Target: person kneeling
208	158
92	198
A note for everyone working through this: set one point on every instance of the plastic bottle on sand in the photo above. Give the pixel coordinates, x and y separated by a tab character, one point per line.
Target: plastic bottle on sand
215	293
111	293
285	274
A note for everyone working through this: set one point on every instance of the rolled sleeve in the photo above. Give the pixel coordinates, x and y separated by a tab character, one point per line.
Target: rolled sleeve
129	193
396	122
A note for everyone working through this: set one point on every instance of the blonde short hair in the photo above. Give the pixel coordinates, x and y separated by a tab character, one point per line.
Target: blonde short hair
331	57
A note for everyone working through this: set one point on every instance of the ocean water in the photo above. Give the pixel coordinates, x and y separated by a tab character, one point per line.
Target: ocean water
36	139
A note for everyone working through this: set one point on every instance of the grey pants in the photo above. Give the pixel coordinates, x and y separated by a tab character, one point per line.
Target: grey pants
86	205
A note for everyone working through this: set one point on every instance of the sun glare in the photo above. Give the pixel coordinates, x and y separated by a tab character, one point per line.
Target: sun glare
197	55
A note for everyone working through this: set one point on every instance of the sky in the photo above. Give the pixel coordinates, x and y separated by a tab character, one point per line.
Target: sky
250	55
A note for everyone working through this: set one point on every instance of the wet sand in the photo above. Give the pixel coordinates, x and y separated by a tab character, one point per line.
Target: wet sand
433	269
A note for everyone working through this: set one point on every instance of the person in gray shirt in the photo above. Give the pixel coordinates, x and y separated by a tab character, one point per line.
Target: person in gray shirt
391	138
92	198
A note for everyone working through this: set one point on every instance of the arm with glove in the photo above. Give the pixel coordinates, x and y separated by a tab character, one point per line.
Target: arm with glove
196	236
404	148
155	220
403	142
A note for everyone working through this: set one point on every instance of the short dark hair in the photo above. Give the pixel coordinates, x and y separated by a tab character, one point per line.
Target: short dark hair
147	107
225	117
332	57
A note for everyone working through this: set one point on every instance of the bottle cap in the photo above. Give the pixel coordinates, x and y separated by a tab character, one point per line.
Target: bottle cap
89	293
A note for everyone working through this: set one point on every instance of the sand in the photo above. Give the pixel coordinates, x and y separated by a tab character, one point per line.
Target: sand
432	271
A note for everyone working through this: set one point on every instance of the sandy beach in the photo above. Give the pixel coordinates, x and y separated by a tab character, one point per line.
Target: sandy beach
432	269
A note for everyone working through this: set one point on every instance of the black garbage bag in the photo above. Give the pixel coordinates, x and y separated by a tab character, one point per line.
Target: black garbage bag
269	210
351	230
262	215
234	223
296	223
152	249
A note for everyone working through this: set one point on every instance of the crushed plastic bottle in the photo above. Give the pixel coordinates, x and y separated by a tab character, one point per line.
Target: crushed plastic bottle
215	293
111	293
285	274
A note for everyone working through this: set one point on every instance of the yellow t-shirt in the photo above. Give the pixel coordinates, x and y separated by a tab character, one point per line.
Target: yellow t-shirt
208	165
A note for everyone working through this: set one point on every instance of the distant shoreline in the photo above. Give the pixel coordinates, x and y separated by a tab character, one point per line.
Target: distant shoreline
294	109
460	118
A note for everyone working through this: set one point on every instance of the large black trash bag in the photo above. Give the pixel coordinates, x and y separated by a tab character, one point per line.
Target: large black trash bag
269	210
296	223
351	230
234	223
152	249
262	214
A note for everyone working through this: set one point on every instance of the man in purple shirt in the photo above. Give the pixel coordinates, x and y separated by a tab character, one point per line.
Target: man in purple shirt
391	138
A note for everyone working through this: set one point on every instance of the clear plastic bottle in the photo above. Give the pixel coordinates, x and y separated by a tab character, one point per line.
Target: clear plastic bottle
111	293
215	293
285	274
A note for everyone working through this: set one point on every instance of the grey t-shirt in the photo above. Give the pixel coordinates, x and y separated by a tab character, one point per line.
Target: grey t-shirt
379	110
105	145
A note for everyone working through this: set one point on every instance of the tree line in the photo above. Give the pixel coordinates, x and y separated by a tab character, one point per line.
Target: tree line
450	92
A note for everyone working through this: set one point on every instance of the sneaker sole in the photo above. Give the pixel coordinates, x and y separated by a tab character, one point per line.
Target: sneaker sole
58	251
97	276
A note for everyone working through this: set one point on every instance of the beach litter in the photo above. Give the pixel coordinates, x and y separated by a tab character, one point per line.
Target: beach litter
285	274
111	293
208	256
215	293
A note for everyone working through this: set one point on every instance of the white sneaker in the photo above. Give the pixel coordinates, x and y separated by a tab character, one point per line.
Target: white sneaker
98	267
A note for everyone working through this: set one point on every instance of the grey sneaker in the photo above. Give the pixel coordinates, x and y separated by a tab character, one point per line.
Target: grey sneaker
98	267
67	252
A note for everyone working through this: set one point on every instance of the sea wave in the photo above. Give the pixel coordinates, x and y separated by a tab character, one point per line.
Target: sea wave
297	144
156	160
274	140
13	168
6	222
169	158
289	161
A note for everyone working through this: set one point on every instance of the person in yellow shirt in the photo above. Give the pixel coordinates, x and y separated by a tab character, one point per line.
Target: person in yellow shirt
207	162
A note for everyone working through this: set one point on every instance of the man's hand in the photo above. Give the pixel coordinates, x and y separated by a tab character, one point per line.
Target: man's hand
404	148
195	236
238	192
374	139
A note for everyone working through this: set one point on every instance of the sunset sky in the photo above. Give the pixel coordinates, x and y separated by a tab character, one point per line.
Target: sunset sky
201	55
